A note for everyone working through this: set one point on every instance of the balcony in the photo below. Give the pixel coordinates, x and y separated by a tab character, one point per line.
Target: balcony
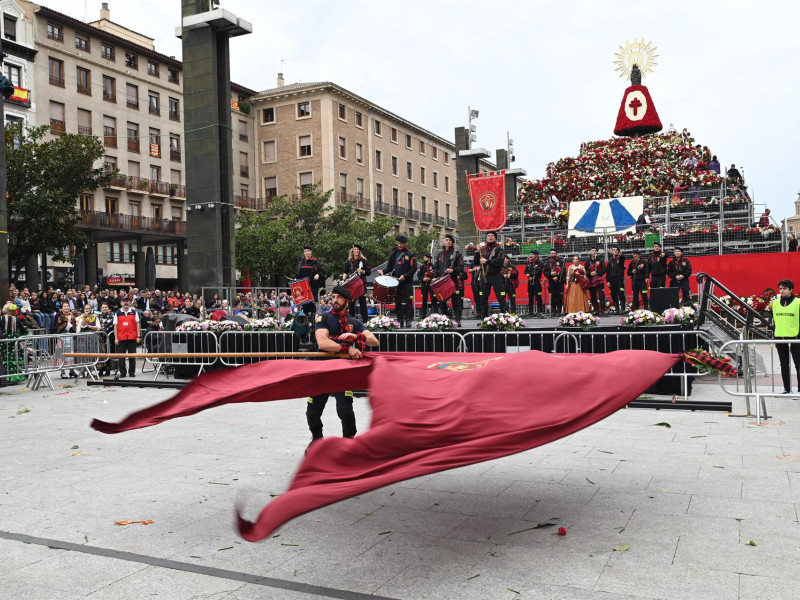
412	215
357	202
437	220
85	90
118	180
56	80
382	208
177	191
398	211
110	140
243	137
57	127
154	109
159	188
138	185
110	97
172	76
174	115
426	217
131	223
175	154
250	203
450	223
85	129
134	104
133	145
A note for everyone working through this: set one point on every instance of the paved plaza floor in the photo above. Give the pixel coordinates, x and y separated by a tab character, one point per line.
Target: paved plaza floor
704	509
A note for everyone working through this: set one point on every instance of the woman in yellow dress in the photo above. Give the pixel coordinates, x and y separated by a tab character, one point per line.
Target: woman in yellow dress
576	299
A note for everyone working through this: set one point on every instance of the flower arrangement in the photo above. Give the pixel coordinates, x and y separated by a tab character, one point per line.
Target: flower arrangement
684	316
502	322
192	326
580	319
223	326
437	322
705	362
266	324
382	323
641	318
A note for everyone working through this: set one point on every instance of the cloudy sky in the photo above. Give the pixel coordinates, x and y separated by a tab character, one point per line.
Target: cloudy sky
543	70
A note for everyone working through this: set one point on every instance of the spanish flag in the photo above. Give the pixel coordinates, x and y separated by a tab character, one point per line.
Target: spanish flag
20	95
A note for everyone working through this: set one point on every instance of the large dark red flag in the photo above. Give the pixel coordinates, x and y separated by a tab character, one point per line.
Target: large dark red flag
431	412
488	195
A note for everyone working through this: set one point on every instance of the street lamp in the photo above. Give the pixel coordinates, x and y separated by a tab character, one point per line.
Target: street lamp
473	114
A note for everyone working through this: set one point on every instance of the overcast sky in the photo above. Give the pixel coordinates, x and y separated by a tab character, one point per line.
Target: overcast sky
543	70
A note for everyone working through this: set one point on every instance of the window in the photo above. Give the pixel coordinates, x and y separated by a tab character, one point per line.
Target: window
155	142
395	197
305	145
435	208
14	74
172	75
408	141
174	109
243	137
133	139
394	135
112	205
422	175
110	163
131	61
107	51
152	68
81	42
303	110
447	211
57	124
270	151
446	184
377	127
87	203
55	32
270	187
394	166
423	204
378	162
57	72
109	89
306	181
84	122
244	166
136	208
132	96
9	28
360	154
84	81
421	147
134	168
434	153
409	171
359	187
175	147
343	184
153	103
155	173
447	158
379	193
157	212
268	115
342	148
359	120
109	132
410	202
435	180
342	112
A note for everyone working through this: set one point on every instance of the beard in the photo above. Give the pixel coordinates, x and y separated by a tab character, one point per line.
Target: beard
339	306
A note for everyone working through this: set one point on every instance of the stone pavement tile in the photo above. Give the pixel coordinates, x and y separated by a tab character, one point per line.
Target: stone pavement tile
541	591
625	575
552	493
774	588
636	481
625	451
578	461
404	520
485	485
653	500
75	572
18	554
252	591
526	466
776	461
153	582
17	590
488	506
407	497
723	489
737	508
496	529
432	583
682	525
777	538
660	470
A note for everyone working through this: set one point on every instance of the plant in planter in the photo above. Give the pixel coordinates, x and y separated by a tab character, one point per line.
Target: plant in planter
143	184
640	318
382	323
580	319
502	322
437	322
173	187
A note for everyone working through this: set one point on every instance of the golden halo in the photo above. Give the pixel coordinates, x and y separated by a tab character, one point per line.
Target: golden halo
637	52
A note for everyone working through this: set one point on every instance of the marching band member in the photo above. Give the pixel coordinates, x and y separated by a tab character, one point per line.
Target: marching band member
511	280
451	262
310	267
615	272
679	270
533	270
491	261
402	265
639	272
425	274
556	274
475	281
357	263
596	272
658	267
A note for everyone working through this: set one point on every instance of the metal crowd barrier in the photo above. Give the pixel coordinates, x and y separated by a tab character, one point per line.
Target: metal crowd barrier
255	341
420	341
180	342
756	364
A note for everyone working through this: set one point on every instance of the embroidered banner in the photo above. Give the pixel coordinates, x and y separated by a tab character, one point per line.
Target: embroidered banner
488	195
610	215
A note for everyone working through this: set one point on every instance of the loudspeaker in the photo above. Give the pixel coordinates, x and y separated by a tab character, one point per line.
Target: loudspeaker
663	298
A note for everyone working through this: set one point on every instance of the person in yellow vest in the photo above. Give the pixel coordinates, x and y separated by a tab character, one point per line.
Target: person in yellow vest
786	313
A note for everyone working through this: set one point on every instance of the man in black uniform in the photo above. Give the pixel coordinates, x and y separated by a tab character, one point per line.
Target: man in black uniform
475	281
556	276
310	267
615	273
491	262
511	277
678	270
425	276
337	331
533	271
639	272
450	262
596	272
658	268
402	266
358	263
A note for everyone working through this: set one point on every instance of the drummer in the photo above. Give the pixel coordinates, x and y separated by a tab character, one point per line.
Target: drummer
309	267
425	276
357	264
450	262
402	265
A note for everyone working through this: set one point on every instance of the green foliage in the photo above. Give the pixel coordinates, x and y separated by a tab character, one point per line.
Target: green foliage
44	181
271	241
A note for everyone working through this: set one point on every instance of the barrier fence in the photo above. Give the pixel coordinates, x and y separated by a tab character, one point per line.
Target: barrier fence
180	342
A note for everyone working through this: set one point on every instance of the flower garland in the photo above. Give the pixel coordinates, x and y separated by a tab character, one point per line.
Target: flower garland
266	324
705	362
382	323
580	319
641	318
437	322
213	326
502	322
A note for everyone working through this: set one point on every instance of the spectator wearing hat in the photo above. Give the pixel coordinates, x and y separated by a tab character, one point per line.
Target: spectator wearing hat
639	272
425	274
491	264
402	265
357	264
450	262
679	270
309	268
533	271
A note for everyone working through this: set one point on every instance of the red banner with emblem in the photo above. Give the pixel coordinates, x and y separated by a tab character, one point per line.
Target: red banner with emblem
487	191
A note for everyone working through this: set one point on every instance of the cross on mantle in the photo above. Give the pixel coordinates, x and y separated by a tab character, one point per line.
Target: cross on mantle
635	104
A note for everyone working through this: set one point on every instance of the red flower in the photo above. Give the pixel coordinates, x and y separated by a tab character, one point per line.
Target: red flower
562	531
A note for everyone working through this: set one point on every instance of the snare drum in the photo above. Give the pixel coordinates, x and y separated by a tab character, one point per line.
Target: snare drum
354	285
443	287
301	291
385	289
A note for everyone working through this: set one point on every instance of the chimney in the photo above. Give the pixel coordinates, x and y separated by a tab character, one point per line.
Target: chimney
280	79
105	13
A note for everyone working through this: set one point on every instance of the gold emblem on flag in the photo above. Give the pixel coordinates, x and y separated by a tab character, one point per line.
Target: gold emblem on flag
487	200
460	367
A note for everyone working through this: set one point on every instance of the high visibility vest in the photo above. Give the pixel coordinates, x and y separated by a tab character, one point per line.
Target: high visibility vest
787	318
126	326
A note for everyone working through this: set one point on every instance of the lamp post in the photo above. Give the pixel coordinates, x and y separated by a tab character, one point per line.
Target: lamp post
6	90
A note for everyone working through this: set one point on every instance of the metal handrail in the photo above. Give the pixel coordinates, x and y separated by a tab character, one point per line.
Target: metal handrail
752	319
